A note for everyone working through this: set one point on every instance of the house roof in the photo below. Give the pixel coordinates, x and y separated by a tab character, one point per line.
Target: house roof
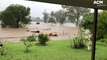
79	3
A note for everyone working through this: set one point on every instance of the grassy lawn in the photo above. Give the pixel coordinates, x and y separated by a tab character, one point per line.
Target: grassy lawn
55	50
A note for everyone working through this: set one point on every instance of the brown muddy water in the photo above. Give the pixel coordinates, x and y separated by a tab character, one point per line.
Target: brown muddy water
67	31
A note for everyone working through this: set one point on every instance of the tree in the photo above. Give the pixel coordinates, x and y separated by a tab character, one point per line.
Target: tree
52	14
60	16
45	14
87	23
74	13
102	25
63	18
15	16
52	18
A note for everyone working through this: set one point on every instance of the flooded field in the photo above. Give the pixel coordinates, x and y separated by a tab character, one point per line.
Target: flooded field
66	31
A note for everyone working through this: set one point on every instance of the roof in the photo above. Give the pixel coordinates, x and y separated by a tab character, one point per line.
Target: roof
102	4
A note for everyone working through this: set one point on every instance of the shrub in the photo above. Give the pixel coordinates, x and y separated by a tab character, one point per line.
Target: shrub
43	38
31	38
79	42
102	42
27	44
83	40
2	49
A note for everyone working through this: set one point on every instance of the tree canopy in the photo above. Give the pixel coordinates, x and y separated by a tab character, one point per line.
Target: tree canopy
52	17
15	16
74	13
45	16
87	23
60	16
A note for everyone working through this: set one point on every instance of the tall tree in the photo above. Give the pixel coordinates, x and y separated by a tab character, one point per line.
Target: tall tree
52	14
74	13
52	17
87	23
63	19
45	16
60	16
15	16
102	25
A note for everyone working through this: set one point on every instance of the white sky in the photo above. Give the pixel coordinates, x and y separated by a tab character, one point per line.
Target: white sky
37	8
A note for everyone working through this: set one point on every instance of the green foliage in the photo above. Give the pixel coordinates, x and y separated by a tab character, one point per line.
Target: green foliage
55	17
74	13
63	18
56	50
52	18
31	38
15	16
43	38
79	42
102	25
102	42
45	14
60	16
52	13
2	49
87	23
27	44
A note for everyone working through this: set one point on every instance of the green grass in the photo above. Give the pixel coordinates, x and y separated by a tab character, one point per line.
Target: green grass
55	50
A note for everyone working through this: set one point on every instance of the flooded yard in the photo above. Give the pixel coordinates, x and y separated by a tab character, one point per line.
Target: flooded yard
66	31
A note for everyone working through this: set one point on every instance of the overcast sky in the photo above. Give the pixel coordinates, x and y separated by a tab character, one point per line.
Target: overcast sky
37	8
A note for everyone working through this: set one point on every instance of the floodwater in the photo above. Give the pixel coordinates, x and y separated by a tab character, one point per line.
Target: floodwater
67	31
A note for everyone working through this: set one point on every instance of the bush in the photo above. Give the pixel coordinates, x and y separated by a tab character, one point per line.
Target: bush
102	42
81	39
27	44
31	38
79	42
2	49
43	38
